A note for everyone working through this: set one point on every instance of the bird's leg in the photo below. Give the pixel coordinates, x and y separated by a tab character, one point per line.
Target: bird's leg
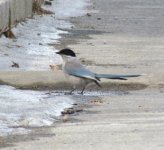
82	92
70	93
86	82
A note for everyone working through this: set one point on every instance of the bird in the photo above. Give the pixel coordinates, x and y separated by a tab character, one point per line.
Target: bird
72	66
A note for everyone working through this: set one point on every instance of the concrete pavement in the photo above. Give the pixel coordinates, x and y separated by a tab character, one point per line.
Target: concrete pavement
128	120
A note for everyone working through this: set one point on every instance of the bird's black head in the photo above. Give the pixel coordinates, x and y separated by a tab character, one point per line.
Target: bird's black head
67	52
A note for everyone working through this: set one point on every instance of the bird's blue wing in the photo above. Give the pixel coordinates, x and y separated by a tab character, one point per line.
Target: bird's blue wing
82	73
75	68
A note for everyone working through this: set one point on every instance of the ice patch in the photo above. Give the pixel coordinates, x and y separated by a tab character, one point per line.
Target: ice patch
26	108
33	49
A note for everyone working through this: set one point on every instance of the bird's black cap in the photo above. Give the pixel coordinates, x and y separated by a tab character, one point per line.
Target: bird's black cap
67	52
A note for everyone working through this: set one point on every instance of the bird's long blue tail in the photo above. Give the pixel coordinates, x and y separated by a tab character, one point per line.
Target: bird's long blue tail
115	76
